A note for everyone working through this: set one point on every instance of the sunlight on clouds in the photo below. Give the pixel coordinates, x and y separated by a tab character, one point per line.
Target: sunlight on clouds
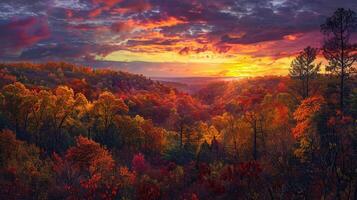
169	56
249	66
207	63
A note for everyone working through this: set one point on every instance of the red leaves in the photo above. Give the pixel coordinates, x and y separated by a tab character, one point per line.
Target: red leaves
228	173
282	114
339	119
250	169
171	166
90	156
153	137
148	191
139	164
203	172
86	172
194	197
282	87
252	97
190	196
216	187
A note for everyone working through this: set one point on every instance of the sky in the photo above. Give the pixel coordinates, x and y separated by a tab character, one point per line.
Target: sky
165	38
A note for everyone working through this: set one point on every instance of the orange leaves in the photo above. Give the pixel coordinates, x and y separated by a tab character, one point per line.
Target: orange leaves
127	175
90	156
281	114
308	107
305	129
305	113
209	133
301	128
154	137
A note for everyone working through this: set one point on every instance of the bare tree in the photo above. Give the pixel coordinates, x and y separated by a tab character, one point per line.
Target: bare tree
337	49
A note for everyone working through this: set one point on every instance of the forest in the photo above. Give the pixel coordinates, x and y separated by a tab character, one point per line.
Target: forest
77	132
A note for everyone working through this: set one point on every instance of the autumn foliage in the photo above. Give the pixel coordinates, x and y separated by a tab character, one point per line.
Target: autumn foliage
100	134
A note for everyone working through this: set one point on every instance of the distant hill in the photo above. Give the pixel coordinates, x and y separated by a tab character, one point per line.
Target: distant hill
148	98
89	80
192	85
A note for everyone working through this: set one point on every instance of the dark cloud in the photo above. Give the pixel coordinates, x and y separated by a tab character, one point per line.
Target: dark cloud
121	26
257	36
67	51
188	50
156	41
134	6
55	50
20	33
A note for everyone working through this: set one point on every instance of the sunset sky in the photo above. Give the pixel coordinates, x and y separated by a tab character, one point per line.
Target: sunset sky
166	37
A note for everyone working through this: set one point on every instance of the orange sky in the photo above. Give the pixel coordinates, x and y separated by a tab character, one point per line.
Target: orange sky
265	58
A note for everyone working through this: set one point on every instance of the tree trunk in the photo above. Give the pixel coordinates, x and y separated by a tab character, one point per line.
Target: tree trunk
342	90
255	141
181	136
342	67
307	84
303	88
235	149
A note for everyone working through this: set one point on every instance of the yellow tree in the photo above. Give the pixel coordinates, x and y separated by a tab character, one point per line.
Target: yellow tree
106	108
208	137
40	115
64	107
16	105
233	129
153	137
208	133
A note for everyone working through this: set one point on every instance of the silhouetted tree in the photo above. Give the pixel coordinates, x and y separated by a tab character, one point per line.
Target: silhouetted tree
304	69
337	48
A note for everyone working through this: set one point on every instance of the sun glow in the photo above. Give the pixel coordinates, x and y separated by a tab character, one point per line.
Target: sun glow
207	63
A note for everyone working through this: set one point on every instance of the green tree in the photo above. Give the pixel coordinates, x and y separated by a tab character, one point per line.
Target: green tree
304	69
337	49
